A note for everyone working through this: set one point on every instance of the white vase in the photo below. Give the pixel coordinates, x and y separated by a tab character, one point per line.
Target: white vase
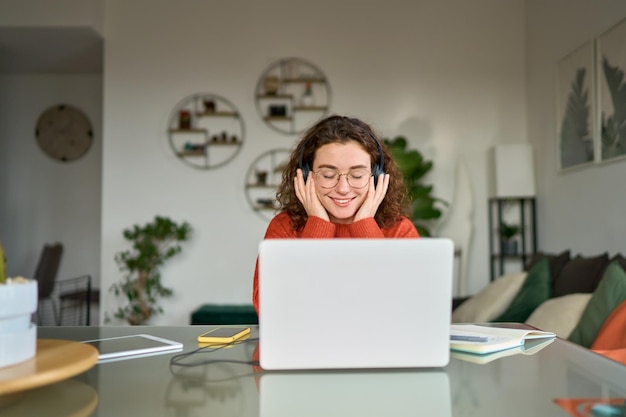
18	335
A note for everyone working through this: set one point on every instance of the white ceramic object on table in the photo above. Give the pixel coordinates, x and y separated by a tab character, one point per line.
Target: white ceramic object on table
18	335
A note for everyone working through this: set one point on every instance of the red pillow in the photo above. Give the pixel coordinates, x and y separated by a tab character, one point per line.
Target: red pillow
612	334
618	355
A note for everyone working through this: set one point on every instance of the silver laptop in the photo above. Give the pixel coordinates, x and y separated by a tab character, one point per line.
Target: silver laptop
355	393
354	303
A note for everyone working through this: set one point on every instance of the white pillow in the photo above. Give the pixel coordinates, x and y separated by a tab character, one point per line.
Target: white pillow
492	301
560	314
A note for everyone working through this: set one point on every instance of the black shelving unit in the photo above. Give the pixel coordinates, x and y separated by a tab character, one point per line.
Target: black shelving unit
523	213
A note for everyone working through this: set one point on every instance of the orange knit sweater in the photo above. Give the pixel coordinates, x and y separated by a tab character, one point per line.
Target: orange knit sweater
317	228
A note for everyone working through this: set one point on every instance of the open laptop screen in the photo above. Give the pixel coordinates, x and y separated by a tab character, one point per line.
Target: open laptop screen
354	303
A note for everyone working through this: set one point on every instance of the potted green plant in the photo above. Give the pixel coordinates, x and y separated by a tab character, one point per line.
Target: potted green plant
507	234
152	245
425	208
18	302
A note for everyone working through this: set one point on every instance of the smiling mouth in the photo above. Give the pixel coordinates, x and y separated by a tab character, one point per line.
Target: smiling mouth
343	200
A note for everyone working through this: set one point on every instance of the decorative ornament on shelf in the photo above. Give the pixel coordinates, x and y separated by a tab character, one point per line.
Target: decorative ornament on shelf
508	233
271	85
307	99
209	106
184	120
18	302
153	244
261	177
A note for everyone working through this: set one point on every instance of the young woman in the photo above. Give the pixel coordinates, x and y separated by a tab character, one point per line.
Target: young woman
340	182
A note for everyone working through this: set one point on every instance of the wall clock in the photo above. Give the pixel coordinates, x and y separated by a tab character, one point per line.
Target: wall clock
64	132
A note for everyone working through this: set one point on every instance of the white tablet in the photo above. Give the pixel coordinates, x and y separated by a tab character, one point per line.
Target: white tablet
132	346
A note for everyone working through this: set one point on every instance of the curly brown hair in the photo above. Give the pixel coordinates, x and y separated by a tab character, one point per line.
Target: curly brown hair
342	129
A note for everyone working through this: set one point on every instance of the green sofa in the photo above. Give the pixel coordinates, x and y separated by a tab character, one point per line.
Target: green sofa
570	296
224	314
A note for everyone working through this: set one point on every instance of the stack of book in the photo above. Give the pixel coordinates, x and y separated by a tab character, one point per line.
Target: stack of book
482	344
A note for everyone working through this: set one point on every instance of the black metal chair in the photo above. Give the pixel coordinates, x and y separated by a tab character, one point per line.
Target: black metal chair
46	274
75	299
69	300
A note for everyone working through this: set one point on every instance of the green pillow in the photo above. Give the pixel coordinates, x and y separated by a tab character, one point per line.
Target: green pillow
535	290
611	291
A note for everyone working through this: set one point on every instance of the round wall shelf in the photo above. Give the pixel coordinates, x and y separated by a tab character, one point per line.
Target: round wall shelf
291	94
205	131
262	181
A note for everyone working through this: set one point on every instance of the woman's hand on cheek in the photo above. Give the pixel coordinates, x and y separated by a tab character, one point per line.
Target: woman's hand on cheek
375	196
307	194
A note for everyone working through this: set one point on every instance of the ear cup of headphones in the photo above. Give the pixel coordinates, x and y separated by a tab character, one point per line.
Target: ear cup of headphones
377	170
305	171
306	168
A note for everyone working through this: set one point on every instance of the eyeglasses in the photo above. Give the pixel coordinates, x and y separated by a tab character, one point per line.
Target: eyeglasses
329	178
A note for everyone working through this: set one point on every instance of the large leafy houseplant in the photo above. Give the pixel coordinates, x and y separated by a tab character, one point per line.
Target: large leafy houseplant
425	208
152	245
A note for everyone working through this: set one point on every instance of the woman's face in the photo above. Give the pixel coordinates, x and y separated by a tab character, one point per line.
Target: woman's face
342	201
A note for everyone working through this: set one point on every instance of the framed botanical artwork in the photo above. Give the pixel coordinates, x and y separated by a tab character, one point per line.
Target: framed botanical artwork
611	65
576	131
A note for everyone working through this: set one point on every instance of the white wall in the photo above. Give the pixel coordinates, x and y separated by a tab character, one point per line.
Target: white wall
449	75
580	209
57	13
45	200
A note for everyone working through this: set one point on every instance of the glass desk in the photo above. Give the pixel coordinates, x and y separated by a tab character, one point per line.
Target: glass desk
559	376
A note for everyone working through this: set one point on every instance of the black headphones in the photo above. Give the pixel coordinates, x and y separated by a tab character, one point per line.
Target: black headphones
379	168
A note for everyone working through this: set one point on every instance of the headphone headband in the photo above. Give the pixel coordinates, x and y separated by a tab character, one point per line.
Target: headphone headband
379	167
381	161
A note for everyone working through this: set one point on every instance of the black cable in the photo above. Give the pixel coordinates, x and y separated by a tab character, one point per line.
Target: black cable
177	360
